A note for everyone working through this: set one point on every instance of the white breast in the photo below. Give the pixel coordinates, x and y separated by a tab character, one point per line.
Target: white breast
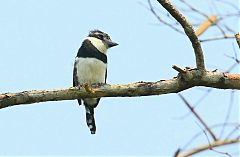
90	70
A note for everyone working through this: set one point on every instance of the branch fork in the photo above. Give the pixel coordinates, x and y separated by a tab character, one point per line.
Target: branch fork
189	31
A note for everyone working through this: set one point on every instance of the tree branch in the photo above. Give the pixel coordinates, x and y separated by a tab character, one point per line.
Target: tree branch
184	81
188	29
163	21
208	146
205	25
217	38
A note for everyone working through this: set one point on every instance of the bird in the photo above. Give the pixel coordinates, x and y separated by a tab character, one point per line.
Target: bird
90	67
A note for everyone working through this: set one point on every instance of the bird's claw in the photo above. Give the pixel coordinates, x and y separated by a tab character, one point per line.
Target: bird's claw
98	84
88	88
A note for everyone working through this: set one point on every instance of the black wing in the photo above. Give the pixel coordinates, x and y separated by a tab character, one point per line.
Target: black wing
106	76
75	80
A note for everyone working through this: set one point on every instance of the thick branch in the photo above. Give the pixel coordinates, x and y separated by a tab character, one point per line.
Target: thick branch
188	29
183	81
208	147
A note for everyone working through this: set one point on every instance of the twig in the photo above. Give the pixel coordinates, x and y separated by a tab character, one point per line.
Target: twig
234	6
229	29
235	58
229	15
198	102
217	38
207	147
228	113
203	14
161	20
178	69
205	25
198	117
188	29
191	140
176	153
233	131
210	146
232	67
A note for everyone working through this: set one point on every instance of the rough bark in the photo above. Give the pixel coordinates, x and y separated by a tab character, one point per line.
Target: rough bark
185	80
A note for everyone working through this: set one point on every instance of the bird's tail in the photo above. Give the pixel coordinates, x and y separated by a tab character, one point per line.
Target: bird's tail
90	118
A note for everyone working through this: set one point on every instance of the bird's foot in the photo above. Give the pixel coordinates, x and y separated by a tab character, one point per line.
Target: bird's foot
88	88
79	86
98	84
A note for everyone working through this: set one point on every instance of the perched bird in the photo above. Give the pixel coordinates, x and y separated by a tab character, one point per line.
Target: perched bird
91	67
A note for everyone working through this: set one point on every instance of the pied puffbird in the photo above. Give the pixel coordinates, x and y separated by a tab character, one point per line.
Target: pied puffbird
90	67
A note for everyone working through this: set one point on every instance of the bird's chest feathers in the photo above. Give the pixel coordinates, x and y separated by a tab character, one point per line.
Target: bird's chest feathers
90	70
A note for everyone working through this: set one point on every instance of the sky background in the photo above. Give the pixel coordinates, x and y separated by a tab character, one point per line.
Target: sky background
38	43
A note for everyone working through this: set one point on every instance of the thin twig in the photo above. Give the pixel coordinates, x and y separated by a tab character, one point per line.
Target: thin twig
161	20
207	147
227	2
198	102
193	138
210	146
235	58
233	131
206	24
176	153
217	38
232	67
204	15
198	117
228	113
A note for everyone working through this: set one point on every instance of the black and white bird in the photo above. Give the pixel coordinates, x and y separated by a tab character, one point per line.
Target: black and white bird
91	67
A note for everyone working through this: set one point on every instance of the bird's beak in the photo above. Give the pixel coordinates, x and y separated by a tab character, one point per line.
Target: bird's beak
111	43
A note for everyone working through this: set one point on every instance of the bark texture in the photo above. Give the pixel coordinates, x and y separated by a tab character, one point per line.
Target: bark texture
186	79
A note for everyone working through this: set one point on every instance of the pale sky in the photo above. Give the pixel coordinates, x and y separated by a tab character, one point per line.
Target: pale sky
39	41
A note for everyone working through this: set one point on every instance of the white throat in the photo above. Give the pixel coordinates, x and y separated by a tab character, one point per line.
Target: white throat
99	44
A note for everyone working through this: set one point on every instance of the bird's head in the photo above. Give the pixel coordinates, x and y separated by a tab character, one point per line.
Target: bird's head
101	40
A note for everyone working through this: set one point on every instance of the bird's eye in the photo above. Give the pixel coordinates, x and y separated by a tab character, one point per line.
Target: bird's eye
100	36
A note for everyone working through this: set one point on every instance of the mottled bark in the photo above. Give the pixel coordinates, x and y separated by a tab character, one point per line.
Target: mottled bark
185	80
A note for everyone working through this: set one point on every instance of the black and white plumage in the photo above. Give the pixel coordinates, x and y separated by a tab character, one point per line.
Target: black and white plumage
91	67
